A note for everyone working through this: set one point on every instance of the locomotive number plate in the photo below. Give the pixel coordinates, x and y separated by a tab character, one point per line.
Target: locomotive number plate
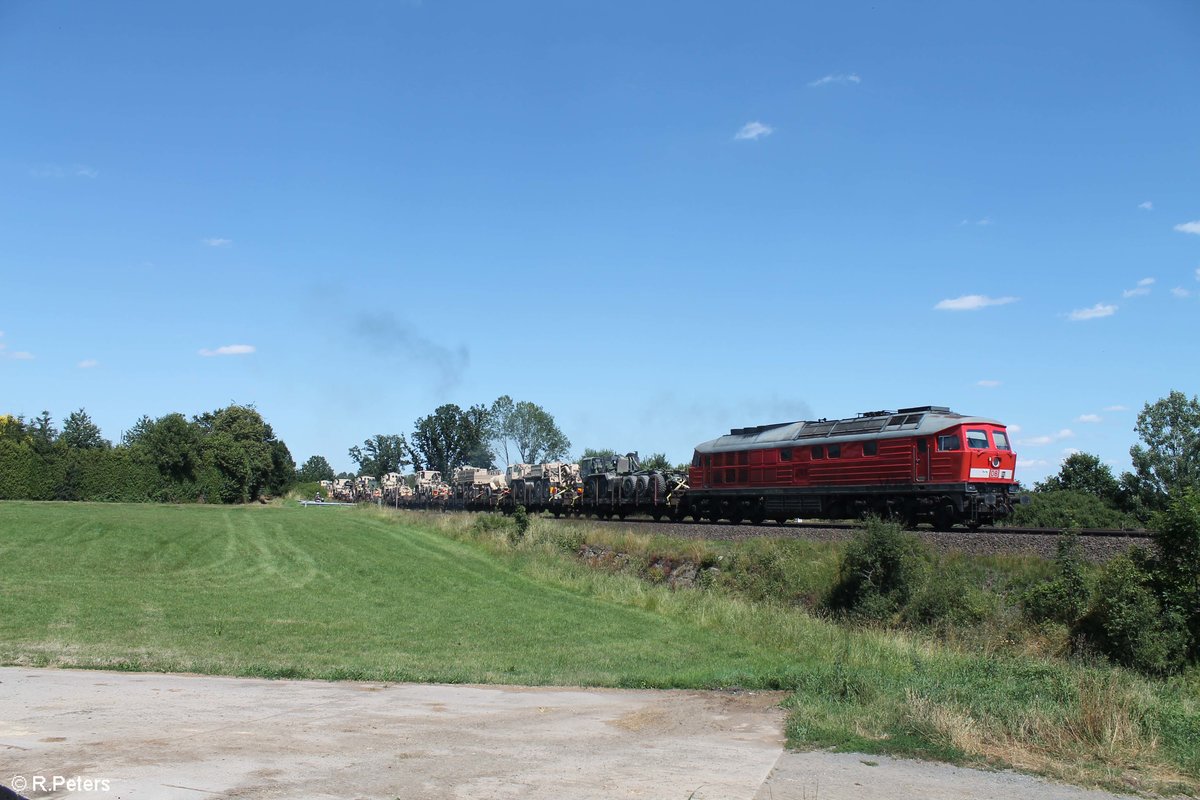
1001	474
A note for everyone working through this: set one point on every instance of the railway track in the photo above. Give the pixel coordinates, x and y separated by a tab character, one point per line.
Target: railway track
768	528
1099	545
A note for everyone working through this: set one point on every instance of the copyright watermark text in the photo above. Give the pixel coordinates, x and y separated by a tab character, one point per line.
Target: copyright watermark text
59	783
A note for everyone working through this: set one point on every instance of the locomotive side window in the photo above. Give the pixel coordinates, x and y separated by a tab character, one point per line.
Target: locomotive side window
1000	439
949	442
786	454
744	456
818	451
870	448
695	459
835	451
921	446
977	440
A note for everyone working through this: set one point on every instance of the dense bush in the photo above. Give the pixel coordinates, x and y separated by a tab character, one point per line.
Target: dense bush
1177	562
1128	624
94	474
1070	509
880	571
1145	612
520	523
947	598
1065	597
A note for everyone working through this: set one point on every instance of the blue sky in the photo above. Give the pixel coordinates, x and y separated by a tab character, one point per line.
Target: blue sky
656	220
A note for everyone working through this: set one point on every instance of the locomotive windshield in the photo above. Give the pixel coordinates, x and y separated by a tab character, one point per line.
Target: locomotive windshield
1000	439
977	440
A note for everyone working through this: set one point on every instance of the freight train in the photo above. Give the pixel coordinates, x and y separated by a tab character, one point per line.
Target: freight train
920	464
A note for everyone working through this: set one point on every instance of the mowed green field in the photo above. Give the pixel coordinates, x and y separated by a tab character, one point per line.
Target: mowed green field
322	593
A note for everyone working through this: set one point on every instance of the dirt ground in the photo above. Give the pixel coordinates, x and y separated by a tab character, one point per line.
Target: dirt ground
86	734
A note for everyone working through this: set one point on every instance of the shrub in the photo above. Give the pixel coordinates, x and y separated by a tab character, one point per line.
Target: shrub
880	571
1177	561
520	524
490	523
1065	597
1070	509
947	597
1127	623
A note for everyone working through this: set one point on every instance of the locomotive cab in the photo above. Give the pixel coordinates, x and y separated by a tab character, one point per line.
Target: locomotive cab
977	453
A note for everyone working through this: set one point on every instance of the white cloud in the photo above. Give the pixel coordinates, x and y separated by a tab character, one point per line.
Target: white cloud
218	242
1014	428
63	171
1198	273
1039	441
1070	451
13	355
229	350
973	302
1189	227
1146	206
1143	287
980	221
987	383
1093	418
754	130
1180	292
1027	463
1115	408
88	363
1095	312
851	77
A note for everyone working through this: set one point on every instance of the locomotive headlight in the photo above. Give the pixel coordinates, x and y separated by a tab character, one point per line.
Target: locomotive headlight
995	462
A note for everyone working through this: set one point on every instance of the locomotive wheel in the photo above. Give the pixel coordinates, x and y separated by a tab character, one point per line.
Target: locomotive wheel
943	517
697	514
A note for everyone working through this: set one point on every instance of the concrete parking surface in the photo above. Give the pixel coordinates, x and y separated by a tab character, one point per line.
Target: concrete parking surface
85	734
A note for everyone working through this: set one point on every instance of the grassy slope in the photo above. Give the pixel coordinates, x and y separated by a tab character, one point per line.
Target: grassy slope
325	593
339	593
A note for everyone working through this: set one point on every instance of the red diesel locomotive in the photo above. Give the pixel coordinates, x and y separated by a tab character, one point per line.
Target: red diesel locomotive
916	464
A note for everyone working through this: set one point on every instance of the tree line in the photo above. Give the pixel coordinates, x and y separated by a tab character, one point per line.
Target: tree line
230	455
453	437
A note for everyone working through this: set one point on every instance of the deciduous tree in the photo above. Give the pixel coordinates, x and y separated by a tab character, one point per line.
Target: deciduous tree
1169	462
315	469
1083	472
451	437
536	434
380	455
